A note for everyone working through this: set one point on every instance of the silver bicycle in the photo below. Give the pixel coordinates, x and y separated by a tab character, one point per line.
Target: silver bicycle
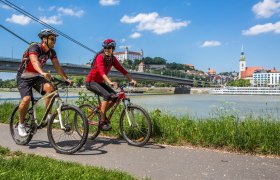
67	129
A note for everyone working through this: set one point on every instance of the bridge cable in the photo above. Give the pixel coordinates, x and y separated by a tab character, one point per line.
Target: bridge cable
14	34
45	24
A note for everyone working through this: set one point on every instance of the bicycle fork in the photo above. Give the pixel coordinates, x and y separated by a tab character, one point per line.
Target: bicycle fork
127	114
59	114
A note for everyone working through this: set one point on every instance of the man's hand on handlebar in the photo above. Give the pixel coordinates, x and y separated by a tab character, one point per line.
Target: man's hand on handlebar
70	82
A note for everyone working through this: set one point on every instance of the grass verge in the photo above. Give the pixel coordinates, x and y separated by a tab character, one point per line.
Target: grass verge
16	165
225	130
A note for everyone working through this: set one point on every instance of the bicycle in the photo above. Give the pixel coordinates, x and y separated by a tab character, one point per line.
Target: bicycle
134	123
61	131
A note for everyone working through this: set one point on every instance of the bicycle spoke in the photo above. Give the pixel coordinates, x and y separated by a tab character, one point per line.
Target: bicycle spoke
135	126
14	120
72	136
93	117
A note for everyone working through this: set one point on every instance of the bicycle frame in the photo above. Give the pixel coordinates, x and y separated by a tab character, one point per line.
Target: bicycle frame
54	97
121	97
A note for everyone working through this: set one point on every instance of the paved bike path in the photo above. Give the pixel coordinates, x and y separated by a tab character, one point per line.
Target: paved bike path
155	161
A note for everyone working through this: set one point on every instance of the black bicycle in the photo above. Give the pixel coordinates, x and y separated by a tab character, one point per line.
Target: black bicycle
67	128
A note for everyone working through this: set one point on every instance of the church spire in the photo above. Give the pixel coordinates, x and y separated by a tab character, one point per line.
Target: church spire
242	56
242	64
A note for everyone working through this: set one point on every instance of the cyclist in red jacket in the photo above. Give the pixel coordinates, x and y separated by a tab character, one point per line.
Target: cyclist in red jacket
95	81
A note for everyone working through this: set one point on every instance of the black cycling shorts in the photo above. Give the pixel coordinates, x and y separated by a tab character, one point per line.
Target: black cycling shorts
102	90
25	85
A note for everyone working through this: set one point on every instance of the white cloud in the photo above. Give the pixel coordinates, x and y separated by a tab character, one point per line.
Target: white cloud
153	22
210	43
125	46
70	12
6	7
51	20
109	2
19	19
135	35
264	28
266	8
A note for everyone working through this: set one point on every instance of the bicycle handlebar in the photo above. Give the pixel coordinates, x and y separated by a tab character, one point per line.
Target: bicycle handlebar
125	85
59	81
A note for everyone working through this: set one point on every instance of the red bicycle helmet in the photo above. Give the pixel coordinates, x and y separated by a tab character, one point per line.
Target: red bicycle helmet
109	43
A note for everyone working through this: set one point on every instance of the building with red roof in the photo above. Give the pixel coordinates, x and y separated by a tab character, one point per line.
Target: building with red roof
257	75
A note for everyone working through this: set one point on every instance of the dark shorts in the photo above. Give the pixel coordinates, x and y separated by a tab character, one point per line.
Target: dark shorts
102	90
25	85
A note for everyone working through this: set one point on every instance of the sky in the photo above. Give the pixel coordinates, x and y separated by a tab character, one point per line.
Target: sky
204	33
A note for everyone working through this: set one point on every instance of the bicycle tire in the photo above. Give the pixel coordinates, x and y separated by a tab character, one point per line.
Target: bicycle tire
139	133
93	117
14	120
70	116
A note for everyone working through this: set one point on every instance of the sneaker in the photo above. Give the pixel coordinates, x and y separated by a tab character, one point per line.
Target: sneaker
21	130
105	127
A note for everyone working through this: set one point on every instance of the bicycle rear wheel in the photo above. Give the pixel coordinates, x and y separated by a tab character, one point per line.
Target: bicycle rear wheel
93	117
135	125
14	121
68	140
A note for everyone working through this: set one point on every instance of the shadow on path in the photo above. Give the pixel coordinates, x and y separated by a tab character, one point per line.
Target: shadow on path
33	144
94	147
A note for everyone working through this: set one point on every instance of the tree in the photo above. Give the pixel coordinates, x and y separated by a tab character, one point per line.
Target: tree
195	83
239	83
79	80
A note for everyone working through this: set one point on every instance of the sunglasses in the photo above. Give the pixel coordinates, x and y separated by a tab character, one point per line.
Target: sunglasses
52	39
109	47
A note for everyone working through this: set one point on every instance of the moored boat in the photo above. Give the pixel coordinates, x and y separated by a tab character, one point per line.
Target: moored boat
246	90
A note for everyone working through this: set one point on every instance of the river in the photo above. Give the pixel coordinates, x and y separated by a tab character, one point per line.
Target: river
196	105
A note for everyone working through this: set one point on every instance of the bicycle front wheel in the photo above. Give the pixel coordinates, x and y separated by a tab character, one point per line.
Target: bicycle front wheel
93	117
135	125
67	139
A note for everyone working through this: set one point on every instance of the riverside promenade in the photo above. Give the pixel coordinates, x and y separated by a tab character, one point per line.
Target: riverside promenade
155	161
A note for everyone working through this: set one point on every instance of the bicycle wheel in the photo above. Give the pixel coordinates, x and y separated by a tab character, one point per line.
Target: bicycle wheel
135	125
68	140
14	120
93	117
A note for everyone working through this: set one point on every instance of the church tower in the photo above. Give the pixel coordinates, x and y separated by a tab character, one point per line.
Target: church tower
242	62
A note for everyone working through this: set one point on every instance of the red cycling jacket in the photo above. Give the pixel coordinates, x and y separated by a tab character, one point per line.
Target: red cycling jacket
103	65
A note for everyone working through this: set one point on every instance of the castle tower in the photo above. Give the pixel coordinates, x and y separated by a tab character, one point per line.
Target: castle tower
242	63
126	53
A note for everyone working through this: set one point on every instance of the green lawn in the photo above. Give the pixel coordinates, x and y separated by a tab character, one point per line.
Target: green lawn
16	165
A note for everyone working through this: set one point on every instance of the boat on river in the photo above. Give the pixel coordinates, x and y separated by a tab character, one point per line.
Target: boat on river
230	90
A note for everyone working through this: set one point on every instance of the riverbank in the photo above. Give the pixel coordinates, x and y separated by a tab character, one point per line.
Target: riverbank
195	90
140	90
